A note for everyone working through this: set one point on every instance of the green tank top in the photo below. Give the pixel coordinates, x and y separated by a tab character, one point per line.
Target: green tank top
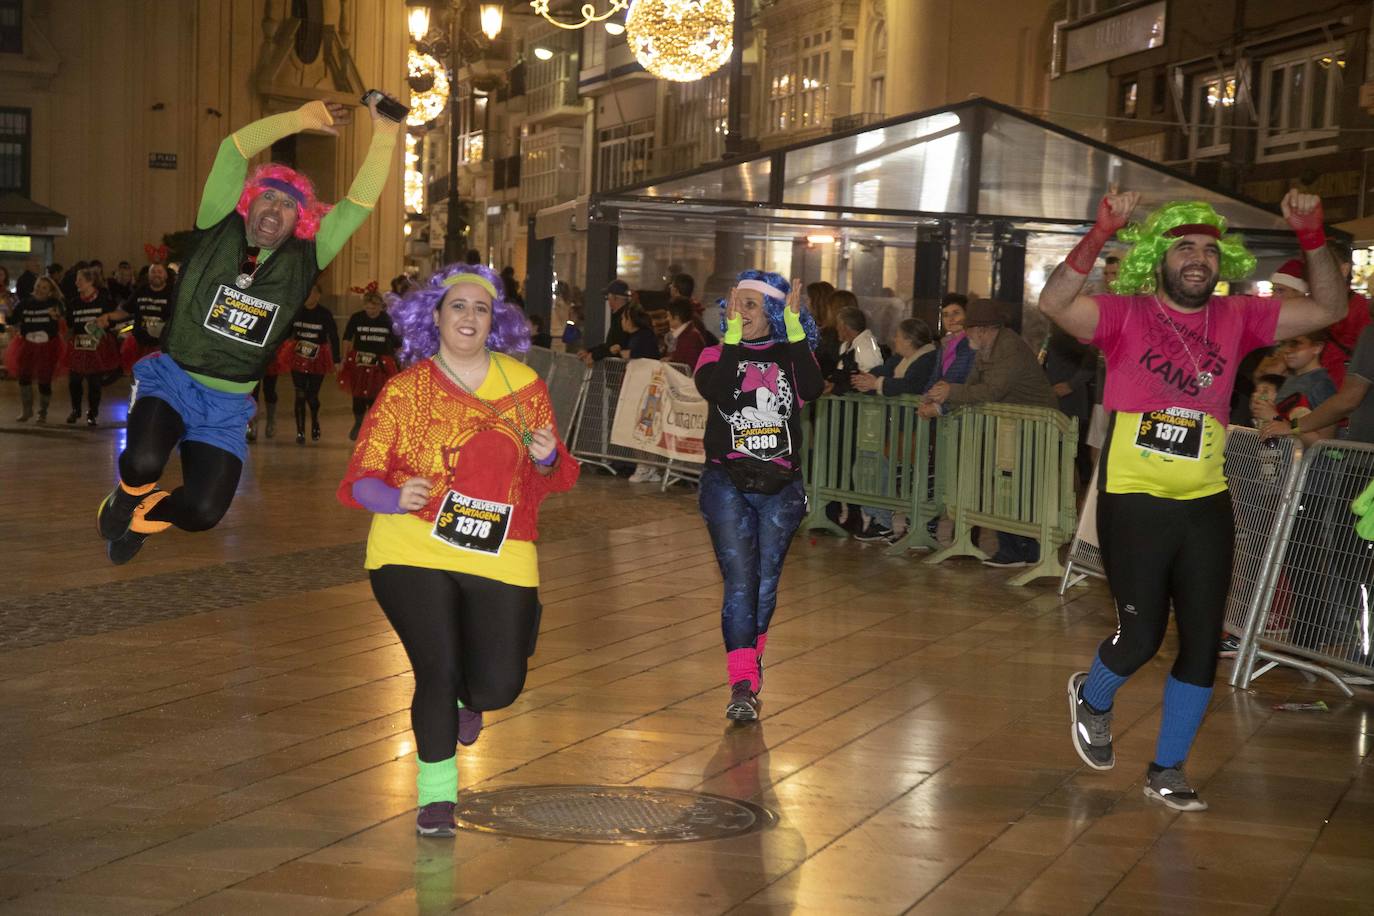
220	331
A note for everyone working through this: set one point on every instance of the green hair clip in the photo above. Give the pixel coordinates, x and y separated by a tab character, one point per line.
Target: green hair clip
1150	240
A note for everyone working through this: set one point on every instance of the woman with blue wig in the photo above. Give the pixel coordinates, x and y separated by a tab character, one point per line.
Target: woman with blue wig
756	381
453	461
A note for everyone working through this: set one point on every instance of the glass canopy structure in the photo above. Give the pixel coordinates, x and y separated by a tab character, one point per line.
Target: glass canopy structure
975	197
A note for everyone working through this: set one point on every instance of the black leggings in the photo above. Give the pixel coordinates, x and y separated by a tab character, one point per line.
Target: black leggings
44	388
307	395
209	475
1160	550
268	389
93	381
361	406
468	638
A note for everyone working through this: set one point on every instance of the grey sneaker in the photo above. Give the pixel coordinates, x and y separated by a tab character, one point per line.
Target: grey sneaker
436	819
1169	786
744	703
1091	732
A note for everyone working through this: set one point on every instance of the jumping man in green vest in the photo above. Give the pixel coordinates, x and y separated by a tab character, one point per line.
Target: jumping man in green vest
261	241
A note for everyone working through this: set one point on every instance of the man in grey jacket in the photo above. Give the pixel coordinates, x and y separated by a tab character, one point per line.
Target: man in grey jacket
1005	371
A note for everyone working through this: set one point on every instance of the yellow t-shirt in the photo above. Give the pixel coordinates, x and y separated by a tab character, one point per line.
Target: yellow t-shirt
1174	454
403	539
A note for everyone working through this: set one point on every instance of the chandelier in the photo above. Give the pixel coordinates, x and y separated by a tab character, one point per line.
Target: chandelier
428	88
588	12
681	40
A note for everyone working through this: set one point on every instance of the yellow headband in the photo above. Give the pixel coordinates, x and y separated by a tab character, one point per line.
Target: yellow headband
476	279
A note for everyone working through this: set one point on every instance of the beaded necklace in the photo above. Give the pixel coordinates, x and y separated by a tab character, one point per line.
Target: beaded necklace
523	429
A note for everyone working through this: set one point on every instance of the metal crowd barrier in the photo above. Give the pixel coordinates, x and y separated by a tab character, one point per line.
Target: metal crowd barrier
1311	607
566	377
1015	475
875	452
1085	556
592	439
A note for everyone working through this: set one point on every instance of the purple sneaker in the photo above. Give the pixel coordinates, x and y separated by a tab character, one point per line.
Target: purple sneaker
469	726
436	819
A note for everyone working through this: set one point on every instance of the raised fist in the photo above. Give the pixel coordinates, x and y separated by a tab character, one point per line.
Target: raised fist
1303	211
1114	210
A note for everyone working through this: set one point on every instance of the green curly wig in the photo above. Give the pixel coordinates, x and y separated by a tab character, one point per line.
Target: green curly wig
1149	243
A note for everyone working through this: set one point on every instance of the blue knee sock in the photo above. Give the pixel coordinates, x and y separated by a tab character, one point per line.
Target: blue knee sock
1101	685
1184	706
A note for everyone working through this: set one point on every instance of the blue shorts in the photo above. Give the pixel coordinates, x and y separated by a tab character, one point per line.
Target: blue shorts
216	418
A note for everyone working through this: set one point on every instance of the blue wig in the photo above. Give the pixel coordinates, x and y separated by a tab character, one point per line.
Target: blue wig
773	306
412	315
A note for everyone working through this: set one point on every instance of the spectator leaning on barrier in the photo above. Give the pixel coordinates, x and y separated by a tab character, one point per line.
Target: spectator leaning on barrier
955	358
1005	372
906	370
617	301
685	342
1344	334
859	351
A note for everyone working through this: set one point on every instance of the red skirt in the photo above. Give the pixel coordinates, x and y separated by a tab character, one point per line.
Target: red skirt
366	381
312	359
131	351
37	361
86	361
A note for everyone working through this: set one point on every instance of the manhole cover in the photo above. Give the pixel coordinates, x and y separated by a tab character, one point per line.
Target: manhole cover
627	815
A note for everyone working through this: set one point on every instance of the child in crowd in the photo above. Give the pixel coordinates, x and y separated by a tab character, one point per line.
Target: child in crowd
1307	384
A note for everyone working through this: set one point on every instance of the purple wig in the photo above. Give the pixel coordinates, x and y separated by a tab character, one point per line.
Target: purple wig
412	315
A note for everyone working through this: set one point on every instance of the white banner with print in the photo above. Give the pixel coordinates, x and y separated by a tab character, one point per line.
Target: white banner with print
660	411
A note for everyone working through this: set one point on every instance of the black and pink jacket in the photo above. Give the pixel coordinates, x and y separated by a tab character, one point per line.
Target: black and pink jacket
755	391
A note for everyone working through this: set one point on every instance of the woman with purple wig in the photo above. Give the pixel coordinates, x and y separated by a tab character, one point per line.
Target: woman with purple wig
756	381
453	461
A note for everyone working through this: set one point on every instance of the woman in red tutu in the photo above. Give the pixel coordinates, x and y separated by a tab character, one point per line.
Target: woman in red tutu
35	353
93	358
314	340
372	358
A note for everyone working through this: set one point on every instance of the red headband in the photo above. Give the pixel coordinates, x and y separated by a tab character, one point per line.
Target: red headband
1193	229
157	254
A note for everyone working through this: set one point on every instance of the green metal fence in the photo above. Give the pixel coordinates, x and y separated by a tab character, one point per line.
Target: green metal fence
1015	474
875	452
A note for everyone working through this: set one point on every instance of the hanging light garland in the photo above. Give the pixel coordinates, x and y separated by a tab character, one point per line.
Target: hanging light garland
428	89
681	40
588	12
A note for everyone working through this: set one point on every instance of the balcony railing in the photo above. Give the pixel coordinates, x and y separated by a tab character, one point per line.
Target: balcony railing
855	121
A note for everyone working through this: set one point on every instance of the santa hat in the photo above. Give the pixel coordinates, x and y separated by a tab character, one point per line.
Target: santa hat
1293	274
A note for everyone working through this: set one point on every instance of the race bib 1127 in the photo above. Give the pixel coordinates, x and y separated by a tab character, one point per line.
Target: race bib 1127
239	316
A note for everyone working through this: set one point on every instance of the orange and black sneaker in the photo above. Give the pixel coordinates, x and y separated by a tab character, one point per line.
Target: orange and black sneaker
122	549
117	509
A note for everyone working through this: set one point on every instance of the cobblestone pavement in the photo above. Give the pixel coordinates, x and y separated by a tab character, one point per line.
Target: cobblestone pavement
34	620
37	619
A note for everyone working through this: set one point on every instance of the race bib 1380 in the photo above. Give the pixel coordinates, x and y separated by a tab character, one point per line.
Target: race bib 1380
239	316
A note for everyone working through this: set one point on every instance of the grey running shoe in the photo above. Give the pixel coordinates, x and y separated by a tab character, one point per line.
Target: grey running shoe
744	703
436	819
469	726
1169	786
1091	732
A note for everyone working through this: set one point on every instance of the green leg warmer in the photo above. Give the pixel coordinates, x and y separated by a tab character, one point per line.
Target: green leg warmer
437	782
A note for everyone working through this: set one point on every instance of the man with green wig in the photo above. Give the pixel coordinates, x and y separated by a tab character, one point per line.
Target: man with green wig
1164	518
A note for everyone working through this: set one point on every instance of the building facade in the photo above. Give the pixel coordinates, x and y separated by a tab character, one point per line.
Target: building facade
1254	97
112	111
579	115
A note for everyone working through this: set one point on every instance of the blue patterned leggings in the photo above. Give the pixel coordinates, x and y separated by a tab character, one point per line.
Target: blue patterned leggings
751	533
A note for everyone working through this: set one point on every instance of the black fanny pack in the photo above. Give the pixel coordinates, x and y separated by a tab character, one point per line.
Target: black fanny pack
766	477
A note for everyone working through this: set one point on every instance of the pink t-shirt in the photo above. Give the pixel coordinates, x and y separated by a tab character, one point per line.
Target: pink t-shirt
1148	364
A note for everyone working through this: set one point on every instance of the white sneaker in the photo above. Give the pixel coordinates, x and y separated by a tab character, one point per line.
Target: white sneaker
653	476
641	474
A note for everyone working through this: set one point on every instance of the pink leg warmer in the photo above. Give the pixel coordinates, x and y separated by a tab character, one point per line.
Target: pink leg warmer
742	665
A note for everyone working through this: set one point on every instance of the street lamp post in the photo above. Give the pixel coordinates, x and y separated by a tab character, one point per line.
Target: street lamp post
453	233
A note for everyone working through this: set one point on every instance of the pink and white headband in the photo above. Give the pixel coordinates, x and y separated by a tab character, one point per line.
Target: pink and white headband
759	286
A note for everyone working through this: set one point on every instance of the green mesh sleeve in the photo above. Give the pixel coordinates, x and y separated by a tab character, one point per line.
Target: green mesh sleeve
350	213
371	178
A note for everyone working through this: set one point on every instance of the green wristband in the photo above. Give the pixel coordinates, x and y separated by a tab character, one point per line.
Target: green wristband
792	322
734	330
